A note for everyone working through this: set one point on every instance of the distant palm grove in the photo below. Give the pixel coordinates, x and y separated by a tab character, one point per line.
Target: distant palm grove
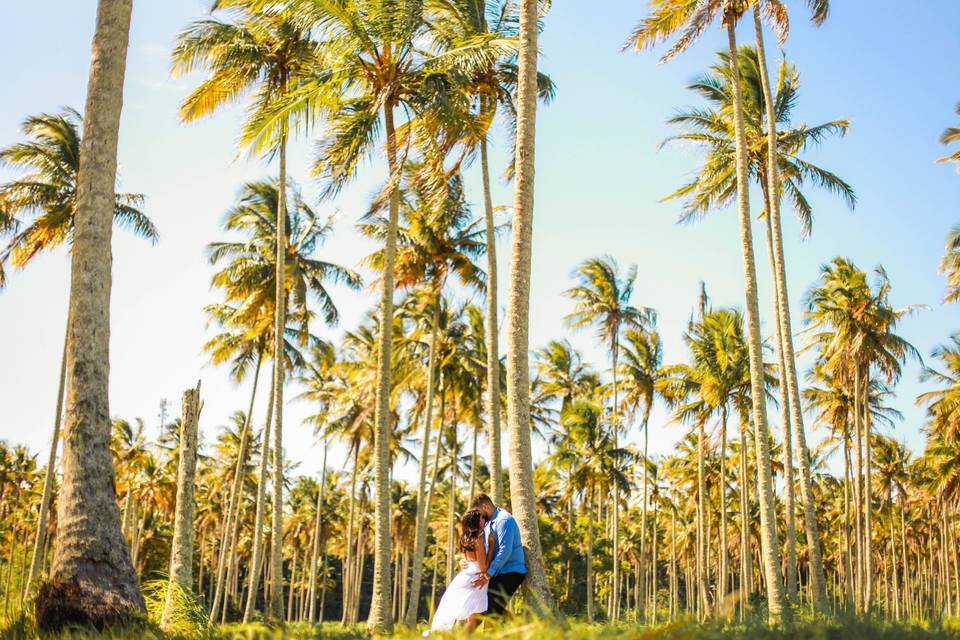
785	499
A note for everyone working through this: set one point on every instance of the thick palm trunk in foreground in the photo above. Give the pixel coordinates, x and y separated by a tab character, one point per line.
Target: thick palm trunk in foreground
380	618
818	586
522	495
776	600
92	581
181	552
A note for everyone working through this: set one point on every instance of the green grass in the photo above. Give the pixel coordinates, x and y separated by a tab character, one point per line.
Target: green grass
23	629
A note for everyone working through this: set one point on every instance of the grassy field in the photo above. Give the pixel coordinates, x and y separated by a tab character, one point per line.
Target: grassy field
23	629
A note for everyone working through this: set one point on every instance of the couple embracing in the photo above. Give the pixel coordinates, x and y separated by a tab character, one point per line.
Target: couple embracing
492	569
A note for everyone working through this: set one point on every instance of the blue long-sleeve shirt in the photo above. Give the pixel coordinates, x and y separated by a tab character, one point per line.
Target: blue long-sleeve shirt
509	557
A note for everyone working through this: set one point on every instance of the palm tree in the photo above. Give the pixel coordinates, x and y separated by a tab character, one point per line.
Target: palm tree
562	373
690	19
642	370
523	498
92	578
852	324
40	207
478	40
266	53
601	298
714	187
951	134
249	281
594	464
433	243
943	403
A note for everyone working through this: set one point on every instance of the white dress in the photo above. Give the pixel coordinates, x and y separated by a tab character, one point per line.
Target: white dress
460	600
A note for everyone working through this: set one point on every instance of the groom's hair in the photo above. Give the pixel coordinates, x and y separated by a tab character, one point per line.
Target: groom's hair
481	500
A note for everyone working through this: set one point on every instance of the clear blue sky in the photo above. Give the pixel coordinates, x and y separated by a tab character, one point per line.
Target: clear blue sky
892	72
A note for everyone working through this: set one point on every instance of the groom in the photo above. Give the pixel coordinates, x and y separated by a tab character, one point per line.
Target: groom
508	567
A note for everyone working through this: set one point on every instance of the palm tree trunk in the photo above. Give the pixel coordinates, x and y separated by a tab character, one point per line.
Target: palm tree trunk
348	562
230	529
653	569
92	579
40	542
724	561
420	532
452	503
615	593
790	532
181	552
643	510
703	603
275	609
522	493
493	338
473	463
589	496
776	600
746	561
256	556
380	619
785	336
317	528
848	555
867	496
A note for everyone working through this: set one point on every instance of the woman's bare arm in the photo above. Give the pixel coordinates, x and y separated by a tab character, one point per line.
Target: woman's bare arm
480	557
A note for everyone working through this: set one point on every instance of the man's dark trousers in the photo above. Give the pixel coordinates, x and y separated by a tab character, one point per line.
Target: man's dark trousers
501	588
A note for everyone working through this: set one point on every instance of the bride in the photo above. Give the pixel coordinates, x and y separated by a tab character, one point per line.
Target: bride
462	600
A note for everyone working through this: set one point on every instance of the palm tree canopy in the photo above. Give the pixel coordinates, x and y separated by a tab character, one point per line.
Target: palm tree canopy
37	209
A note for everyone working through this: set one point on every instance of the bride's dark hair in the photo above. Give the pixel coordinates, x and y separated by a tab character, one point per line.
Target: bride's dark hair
471	530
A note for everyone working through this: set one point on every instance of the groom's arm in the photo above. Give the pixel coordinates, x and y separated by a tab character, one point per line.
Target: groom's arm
505	537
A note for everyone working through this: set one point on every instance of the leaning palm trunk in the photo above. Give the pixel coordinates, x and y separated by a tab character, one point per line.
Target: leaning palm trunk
776	601
256	555
420	532
790	530
317	528
522	493
40	542
818	587
181	552
275	607
493	340
380	619
92	578
230	527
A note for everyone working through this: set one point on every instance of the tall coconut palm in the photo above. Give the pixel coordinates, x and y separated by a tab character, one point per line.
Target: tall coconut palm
263	52
92	578
689	19
853	326
641	371
248	279
562	373
714	187
40	208
370	67
434	243
523	498
602	299
478	40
